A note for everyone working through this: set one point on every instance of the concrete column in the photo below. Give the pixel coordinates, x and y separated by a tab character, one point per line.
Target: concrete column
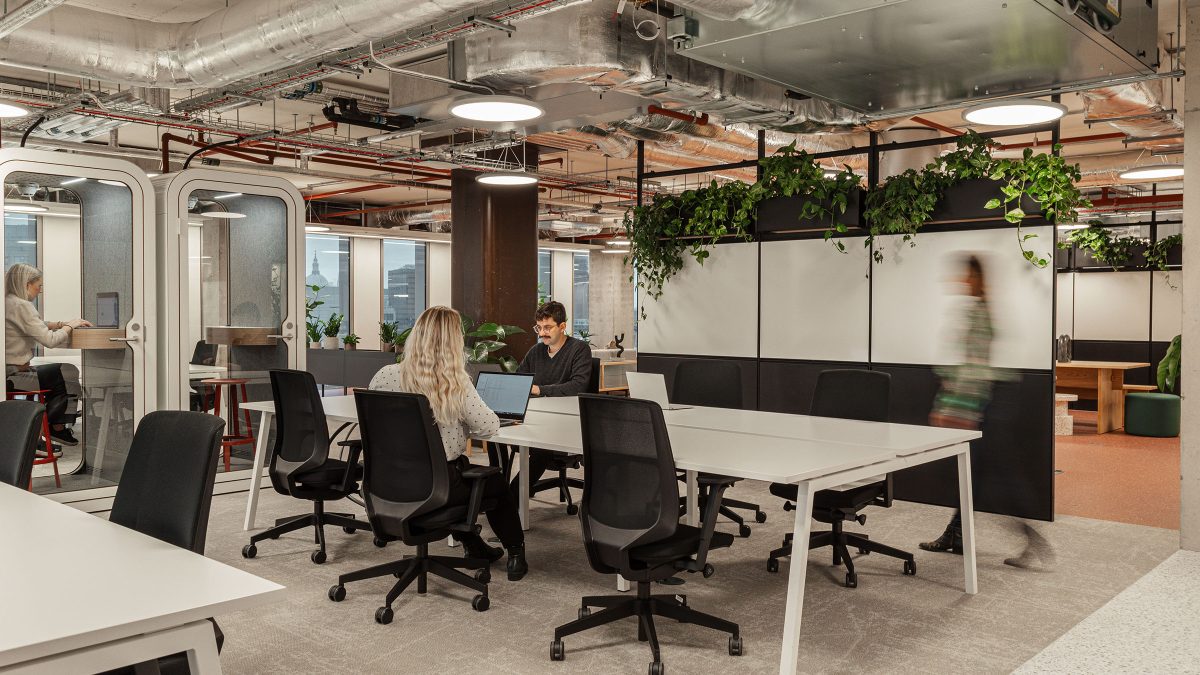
1189	525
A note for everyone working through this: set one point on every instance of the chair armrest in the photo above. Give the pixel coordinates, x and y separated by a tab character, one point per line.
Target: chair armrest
477	472
712	505
351	463
478	475
715	479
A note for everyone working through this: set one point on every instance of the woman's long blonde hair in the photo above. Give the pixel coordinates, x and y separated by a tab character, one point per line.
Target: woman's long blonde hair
17	279
434	364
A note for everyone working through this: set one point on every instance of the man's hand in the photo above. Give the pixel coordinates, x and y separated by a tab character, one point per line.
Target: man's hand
535	390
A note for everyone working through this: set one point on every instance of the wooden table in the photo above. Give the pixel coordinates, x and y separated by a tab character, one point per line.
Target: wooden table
1099	381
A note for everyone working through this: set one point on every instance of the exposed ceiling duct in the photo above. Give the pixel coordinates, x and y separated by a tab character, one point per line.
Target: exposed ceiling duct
248	38
1137	110
728	10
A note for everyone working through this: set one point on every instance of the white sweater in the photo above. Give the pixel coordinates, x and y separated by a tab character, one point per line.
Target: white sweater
478	419
24	329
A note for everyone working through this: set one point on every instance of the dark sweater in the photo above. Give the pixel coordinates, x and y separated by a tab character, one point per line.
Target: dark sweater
566	374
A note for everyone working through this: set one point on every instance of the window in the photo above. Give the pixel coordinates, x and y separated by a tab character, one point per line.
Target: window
404	281
545	277
580	274
329	268
20	239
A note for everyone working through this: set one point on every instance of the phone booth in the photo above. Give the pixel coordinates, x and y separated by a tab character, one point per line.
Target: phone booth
231	296
79	224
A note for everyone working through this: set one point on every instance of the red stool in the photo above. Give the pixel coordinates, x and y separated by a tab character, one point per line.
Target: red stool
40	397
237	437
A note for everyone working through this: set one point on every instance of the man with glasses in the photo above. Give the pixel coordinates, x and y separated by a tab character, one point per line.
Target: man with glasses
561	366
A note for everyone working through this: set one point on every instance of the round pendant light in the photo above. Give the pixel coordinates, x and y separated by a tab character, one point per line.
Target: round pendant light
496	109
1153	172
222	214
11	109
506	178
1014	112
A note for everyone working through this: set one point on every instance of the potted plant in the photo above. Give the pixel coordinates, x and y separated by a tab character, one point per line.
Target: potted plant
333	326
401	338
312	323
314	329
487	341
1168	368
350	341
387	336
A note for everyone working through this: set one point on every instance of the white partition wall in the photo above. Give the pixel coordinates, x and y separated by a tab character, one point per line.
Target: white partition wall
1112	306
1166	306
439	273
366	300
1064	308
815	302
706	310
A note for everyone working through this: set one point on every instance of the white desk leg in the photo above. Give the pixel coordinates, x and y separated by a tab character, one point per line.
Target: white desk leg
196	639
693	506
523	481
204	658
260	460
797	569
967	505
102	439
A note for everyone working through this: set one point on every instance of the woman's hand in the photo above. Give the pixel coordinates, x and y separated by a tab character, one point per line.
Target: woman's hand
79	323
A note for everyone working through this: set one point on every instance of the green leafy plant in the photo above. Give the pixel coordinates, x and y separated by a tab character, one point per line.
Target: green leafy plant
387	332
333	325
584	335
543	297
1156	253
794	173
1099	240
313	325
315	329
1046	179
1168	368
486	339
350	339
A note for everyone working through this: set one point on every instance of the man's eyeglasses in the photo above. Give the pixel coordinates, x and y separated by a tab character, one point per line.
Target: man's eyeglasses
538	330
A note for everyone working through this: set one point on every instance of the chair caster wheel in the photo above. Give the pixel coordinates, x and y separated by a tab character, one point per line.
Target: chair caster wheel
864	551
480	603
773	565
584	612
735	645
379	543
484	576
851	580
910	568
558	651
572	510
318	557
708	571
349	530
337	593
760	516
383	615
656	668
743	531
249	551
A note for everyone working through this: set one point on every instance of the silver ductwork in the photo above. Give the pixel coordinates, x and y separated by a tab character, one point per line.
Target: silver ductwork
1136	110
728	10
249	38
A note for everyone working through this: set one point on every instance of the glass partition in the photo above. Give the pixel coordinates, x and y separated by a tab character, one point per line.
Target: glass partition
581	274
329	273
545	277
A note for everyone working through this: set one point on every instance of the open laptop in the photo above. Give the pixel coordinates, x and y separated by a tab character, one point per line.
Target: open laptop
507	394
652	387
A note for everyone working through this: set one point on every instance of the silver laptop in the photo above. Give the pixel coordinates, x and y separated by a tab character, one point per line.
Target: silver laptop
652	387
507	394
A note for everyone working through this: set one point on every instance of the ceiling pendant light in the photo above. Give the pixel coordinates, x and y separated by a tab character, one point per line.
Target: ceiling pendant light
508	177
1153	172
496	109
222	214
1014	112
10	109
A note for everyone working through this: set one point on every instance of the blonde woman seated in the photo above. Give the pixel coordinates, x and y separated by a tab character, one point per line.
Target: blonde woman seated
434	367
24	330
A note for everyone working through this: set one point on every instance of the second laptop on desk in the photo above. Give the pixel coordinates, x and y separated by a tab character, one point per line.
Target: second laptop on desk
507	394
652	387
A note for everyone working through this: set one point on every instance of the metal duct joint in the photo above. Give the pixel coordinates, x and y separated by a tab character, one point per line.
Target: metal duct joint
1136	110
728	10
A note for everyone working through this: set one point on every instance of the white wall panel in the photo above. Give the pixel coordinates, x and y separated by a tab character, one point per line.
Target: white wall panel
1168	306
62	283
1112	306
916	291
437	261
561	278
709	309
1064	322
816	302
366	285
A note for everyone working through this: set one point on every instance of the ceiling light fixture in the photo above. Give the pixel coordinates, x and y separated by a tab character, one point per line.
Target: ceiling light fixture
228	195
614	250
24	207
114	183
72	181
507	178
618	241
11	109
1153	172
496	109
1014	112
315	228
228	215
1072	226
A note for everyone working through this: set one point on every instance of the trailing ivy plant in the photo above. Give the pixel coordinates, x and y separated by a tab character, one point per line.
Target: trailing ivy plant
794	173
1156	253
1046	179
1099	240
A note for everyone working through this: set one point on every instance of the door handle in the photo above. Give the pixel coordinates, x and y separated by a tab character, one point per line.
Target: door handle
123	339
281	337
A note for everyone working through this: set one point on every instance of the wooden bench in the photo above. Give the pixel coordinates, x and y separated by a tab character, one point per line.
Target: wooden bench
1139	387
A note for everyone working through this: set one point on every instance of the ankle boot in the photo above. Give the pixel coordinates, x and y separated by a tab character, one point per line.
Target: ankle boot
517	567
474	547
951	540
1037	555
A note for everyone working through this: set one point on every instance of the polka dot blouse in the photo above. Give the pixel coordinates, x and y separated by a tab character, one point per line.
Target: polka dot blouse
478	419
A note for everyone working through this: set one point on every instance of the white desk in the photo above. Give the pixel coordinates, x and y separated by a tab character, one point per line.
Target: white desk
144	598
829	457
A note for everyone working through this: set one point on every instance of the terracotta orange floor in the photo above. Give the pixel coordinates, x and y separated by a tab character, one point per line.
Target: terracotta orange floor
1115	476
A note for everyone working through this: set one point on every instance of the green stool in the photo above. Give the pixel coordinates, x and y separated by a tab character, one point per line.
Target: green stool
1151	414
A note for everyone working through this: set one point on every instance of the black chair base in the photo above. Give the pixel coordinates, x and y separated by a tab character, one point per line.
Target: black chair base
841	541
563	484
645	607
418	568
317	520
727	506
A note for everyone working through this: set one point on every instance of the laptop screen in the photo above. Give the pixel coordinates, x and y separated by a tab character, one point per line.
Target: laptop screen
108	310
507	394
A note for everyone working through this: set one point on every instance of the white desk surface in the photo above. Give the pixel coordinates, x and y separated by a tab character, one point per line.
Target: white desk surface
903	438
135	584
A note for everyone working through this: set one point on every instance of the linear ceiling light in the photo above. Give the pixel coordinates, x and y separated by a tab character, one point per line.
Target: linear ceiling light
72	181
11	109
24	207
496	109
114	183
1014	112
1153	172
315	228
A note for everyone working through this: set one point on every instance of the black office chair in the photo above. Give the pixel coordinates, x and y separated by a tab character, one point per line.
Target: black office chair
406	486
300	465
715	384
22	425
630	518
562	461
166	489
855	395
203	354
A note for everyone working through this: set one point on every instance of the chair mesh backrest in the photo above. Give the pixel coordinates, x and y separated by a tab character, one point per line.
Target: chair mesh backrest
204	354
593	386
166	486
404	462
22	425
853	394
301	433
630	493
715	384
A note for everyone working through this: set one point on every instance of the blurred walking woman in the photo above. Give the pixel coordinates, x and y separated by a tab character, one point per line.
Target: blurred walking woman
435	366
24	329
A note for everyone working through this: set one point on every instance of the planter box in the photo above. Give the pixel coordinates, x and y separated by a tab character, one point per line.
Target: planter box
1175	255
1085	260
781	215
964	202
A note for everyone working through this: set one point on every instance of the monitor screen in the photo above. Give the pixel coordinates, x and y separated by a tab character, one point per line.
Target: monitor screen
108	310
507	394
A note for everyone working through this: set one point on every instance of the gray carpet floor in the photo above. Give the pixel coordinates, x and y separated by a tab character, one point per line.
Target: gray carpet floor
890	623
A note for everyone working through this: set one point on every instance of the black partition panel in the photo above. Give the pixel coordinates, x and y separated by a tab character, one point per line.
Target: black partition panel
1012	466
788	386
667	363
